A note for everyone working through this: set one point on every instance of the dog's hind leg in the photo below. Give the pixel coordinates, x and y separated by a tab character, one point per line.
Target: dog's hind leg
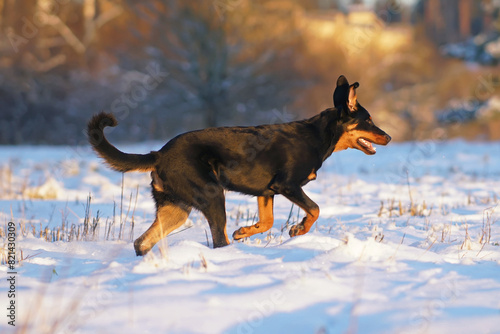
168	217
214	209
266	219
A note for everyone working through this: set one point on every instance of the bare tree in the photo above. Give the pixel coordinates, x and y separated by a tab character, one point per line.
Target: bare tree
44	46
222	57
228	62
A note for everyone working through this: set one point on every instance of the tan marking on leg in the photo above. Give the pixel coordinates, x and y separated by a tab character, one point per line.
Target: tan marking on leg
266	219
304	227
225	235
168	218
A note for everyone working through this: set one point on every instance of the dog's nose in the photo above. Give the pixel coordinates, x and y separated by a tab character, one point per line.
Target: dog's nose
387	138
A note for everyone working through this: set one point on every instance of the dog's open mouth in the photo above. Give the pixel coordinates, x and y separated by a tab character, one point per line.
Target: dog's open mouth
367	146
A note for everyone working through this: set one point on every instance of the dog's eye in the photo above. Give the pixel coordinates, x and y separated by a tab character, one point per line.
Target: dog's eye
369	120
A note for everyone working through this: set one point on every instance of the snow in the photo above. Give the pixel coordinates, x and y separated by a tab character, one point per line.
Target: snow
407	242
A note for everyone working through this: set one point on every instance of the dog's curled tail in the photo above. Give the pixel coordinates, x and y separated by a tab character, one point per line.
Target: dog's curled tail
116	159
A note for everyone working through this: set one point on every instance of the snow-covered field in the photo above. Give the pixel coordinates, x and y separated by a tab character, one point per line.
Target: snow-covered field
407	242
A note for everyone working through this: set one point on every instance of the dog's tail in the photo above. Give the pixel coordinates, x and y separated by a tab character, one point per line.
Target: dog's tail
116	159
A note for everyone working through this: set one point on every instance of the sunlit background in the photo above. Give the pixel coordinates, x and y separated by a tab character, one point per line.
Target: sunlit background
428	69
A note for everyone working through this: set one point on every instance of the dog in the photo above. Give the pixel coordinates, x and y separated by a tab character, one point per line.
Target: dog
195	168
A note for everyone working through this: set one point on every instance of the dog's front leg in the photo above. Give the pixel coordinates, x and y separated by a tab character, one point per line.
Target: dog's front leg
266	219
297	196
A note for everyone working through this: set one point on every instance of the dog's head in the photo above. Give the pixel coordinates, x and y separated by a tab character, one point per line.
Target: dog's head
358	129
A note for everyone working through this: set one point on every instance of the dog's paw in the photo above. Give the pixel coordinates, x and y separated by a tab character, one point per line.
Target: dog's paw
140	248
240	233
296	230
248	231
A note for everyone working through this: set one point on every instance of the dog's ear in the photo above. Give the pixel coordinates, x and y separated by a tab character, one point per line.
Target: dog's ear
342	80
341	93
352	98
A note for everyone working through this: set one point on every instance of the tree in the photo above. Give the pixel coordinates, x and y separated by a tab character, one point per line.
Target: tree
222	58
46	47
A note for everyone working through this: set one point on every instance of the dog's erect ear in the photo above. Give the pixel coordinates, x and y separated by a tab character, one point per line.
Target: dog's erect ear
352	99
341	93
342	80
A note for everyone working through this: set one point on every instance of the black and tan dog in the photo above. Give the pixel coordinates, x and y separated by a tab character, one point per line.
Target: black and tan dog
193	169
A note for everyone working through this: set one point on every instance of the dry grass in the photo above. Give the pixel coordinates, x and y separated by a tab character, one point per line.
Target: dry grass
412	209
93	228
488	220
19	256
